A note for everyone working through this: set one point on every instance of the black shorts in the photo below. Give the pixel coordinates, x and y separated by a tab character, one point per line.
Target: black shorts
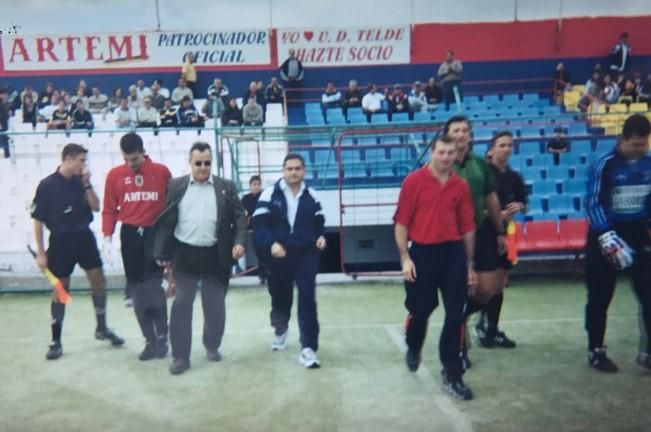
67	250
486	257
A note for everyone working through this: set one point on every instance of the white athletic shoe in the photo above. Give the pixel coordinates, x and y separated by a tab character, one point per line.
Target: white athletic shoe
309	359
278	344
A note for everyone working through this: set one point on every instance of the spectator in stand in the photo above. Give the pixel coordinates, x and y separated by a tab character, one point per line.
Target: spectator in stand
274	92
132	99
331	97
645	91
593	93
259	85
47	111
81	118
562	82
232	115
45	97
67	99
157	99
291	72
611	91
433	94
352	96
30	110
620	54
218	89
620	81
4	121
450	73
147	114
629	94
97	102
142	90
124	116
417	99
82	89
558	144
161	89
188	114
637	80
114	101
80	95
252	113
253	92
168	115
213	107
398	101
27	90
181	92
60	118
372	101
189	73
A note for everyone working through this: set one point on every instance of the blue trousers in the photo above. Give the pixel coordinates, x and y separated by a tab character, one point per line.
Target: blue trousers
299	265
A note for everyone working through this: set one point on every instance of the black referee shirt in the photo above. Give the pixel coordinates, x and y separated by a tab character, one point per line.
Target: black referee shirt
61	204
510	187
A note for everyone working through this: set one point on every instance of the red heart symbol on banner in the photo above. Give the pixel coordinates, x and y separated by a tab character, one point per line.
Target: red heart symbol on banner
308	35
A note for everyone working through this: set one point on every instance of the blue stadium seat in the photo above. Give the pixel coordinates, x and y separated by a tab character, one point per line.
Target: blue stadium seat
541	103
577	129
357	119
471	100
400	117
561	172
321	142
482	133
422	116
531	173
306	154
330	171
550	110
530	131
443	116
336	120
530	97
491	99
354	171
605	145
312	107
403	153
324	157
532	112
349	155
511	99
581	146
543	160
335	111
480	149
569	159
375	155
534	207
515	162
347	141
560	204
355	111
580	171
544	187
367	140
529	148
574	186
381	170
380	118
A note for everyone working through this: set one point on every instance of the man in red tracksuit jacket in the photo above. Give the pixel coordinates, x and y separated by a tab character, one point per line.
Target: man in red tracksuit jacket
134	194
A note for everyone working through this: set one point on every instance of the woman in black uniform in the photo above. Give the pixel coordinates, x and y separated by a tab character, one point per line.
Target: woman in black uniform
513	199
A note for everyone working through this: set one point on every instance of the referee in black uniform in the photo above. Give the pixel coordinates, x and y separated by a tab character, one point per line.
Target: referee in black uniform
64	203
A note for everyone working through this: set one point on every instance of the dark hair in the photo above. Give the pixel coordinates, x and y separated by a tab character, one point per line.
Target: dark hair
201	147
186	98
255	178
636	125
72	150
291	156
131	143
455	119
445	139
499	135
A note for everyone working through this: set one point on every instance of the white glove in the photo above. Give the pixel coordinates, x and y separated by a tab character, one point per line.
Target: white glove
616	251
107	251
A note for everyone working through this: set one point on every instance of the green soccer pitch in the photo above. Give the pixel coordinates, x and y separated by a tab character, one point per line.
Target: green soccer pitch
542	385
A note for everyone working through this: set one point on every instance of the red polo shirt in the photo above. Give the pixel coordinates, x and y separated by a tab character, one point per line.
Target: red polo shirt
433	212
134	198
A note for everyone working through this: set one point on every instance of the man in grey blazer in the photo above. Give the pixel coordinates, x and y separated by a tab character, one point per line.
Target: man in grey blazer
201	233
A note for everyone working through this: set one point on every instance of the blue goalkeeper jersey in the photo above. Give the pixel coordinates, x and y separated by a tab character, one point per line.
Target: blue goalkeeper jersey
618	191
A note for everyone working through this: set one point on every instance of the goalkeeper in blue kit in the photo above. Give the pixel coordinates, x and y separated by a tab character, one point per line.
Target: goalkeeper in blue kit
619	213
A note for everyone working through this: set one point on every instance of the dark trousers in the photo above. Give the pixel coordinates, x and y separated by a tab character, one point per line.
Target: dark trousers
144	281
600	281
195	268
299	265
448	91
441	266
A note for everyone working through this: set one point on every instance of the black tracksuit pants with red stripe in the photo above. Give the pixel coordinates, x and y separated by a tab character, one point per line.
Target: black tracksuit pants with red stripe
441	266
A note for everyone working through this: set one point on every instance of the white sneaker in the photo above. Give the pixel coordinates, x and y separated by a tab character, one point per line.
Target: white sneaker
278	344
309	359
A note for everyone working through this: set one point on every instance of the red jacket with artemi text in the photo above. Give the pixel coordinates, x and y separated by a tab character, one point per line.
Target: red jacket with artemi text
134	198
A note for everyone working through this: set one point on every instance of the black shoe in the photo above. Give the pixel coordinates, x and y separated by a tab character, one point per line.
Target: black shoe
213	355
412	358
54	351
148	353
161	347
455	387
599	360
179	366
500	340
465	361
107	334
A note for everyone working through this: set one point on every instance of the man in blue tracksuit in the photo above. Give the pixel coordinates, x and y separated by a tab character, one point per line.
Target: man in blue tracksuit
618	210
288	232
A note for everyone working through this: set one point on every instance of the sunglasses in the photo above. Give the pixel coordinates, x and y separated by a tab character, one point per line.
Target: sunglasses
204	163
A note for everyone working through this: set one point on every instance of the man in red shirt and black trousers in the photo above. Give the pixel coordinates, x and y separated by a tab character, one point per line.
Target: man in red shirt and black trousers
134	195
435	212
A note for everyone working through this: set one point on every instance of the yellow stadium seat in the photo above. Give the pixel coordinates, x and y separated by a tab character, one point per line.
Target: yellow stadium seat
638	107
618	108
